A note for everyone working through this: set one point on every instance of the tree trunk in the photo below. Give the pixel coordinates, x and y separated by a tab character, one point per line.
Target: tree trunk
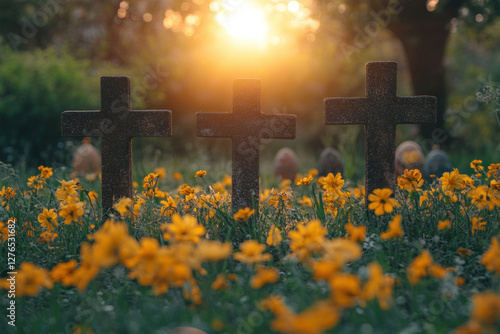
424	42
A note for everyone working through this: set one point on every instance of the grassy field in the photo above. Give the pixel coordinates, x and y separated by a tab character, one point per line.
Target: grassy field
311	259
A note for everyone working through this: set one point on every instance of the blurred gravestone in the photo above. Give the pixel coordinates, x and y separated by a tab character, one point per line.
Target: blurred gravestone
380	111
116	124
286	164
409	156
330	161
436	163
86	159
246	126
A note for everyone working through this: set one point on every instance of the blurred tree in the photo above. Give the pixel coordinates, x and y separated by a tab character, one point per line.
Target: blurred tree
423	27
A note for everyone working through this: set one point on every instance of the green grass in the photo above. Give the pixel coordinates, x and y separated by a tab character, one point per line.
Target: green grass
114	303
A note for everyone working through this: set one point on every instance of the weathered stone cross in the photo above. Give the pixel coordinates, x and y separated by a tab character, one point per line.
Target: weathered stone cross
116	124
246	125
380	111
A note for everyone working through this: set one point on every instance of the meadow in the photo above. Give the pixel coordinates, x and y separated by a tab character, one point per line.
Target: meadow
309	258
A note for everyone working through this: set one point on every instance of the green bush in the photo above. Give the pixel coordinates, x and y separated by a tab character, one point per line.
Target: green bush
35	88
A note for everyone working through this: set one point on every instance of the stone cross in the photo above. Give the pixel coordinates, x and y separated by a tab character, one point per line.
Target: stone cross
116	123
380	111
246	126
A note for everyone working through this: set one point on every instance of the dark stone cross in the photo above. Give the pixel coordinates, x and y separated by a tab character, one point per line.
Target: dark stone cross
246	126
116	124
380	111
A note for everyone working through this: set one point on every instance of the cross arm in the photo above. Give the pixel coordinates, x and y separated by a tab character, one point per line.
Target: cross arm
346	110
215	124
277	126
83	124
149	123
416	110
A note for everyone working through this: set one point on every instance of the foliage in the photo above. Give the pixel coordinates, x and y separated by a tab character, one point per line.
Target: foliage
35	88
311	259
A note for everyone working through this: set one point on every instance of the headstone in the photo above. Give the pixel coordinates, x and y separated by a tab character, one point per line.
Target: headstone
246	126
409	156
436	163
330	161
286	164
380	111
116	124
86	159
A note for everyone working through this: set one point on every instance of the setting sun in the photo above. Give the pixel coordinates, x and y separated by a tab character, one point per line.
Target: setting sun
246	22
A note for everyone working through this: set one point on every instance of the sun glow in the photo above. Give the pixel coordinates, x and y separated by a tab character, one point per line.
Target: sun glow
247	23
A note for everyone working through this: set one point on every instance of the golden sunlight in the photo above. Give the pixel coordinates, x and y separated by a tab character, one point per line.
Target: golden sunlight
247	23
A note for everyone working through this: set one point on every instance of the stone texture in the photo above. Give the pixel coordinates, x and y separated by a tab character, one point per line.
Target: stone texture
409	156
436	163
246	126
286	164
380	111
330	161
116	124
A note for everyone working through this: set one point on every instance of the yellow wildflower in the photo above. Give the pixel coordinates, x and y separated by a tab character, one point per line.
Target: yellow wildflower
463	252
63	271
177	176
305	181
220	283
161	172
44	218
305	202
444	224
244	214
251	252
317	319
378	286
264	276
47	237
341	251
186	190
169	206
87	270
208	250
491	258
45	172
381	201
332	183
478	224
124	206
36	182
93	196
138	205
411	180
30	279
67	189
4	232
200	173
452	180
72	212
486	308
308	239
419	267
183	229
494	171
108	241
274	237
313	172
476	165
356	233
395	230
6	194
345	289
